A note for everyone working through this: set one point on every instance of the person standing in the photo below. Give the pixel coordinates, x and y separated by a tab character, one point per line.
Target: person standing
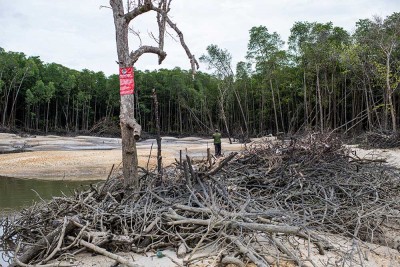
217	142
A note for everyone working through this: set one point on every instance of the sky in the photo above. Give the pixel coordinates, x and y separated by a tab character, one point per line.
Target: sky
80	34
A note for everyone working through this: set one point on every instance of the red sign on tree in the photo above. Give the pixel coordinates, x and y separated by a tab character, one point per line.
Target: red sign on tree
126	82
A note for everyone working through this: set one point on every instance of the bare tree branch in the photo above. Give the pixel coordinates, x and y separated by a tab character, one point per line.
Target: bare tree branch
140	9
134	56
193	61
161	19
137	34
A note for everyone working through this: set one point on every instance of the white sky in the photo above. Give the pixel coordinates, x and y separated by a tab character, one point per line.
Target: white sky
78	34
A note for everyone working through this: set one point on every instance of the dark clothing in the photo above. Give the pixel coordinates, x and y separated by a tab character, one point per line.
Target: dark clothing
217	143
217	149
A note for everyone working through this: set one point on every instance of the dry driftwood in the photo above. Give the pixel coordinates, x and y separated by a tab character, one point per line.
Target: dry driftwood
104	252
250	206
48	239
383	140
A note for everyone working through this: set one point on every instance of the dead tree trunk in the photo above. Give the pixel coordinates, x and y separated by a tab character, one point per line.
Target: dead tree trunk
158	138
130	129
274	107
221	101
389	94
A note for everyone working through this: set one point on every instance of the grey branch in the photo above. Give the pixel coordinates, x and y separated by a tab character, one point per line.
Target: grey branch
139	10
132	123
193	61
162	18
134	56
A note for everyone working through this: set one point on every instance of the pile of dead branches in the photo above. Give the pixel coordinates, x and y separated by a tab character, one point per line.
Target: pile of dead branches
258	206
106	126
370	140
320	181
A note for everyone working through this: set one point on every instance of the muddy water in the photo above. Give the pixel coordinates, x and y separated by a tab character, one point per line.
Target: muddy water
17	193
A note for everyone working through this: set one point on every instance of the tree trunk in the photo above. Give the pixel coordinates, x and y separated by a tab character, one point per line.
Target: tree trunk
243	115
180	118
130	129
221	105
370	125
6	99
306	116
127	119
37	116
56	115
67	113
280	108
16	95
157	119
345	102
321	117
47	116
274	106
261	124
390	95
76	116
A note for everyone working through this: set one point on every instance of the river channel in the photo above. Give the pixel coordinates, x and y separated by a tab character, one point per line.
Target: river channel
16	193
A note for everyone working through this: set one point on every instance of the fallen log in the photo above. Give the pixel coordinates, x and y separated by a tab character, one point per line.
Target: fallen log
104	252
221	164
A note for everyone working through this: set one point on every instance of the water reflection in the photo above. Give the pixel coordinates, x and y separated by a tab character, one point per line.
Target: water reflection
17	193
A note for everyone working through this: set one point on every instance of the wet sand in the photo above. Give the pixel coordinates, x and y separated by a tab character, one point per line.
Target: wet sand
90	158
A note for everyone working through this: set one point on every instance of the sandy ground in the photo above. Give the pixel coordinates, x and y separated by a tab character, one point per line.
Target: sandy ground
369	255
90	158
391	156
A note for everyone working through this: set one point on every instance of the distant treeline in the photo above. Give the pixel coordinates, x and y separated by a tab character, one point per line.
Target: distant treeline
326	79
